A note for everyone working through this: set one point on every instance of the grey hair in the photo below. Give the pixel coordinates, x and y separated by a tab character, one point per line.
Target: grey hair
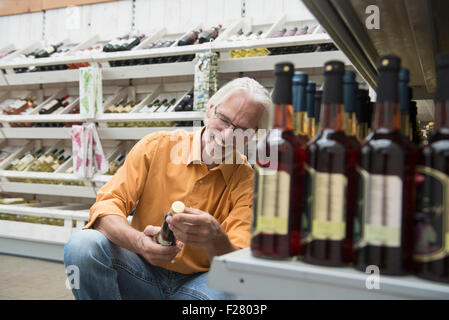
253	90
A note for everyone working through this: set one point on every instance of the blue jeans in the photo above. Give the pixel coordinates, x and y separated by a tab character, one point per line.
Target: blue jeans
107	271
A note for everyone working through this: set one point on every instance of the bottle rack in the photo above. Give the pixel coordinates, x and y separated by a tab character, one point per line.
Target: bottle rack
221	44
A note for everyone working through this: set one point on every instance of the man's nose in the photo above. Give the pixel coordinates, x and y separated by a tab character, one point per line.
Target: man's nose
226	135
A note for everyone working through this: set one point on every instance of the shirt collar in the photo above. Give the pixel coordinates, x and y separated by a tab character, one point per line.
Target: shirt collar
195	156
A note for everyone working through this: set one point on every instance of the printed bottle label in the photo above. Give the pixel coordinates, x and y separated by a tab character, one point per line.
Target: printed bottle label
379	221
328	210
271	201
431	227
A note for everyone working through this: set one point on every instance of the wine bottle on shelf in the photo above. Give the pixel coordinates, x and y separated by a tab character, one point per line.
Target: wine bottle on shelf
383	227
349	99
302	31
431	224
300	105
279	33
189	38
115	164
52	105
317	106
331	180
291	32
362	108
209	35
20	107
404	101
278	188
311	88
46	52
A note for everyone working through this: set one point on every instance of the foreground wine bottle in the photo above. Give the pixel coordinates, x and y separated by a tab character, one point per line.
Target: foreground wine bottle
332	158
299	99
362	110
383	227
431	253
311	88
349	98
279	183
404	101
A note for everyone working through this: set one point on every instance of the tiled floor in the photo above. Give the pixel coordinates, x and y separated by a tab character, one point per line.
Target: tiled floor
28	278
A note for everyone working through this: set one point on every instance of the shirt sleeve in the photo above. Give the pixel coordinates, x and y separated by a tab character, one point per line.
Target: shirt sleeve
120	194
238	223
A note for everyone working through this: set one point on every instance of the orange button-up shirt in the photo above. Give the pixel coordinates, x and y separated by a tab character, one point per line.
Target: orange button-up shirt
151	179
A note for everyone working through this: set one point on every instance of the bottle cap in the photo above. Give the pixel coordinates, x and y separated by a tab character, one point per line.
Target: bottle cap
404	75
349	91
389	62
284	69
177	207
334	67
387	89
300	77
311	88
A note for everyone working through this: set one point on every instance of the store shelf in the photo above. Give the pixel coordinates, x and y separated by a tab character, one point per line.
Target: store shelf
149	71
300	60
36	239
242	274
130	133
49	189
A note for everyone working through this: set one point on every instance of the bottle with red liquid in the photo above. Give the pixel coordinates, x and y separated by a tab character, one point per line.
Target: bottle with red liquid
208	35
431	251
278	192
383	227
189	38
332	158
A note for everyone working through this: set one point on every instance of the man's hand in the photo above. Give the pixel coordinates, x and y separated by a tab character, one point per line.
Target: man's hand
195	227
152	251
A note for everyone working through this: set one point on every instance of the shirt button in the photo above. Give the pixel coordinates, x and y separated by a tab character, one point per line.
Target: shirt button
201	181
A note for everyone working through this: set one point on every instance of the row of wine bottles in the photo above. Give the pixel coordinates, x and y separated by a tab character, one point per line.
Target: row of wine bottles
334	201
193	37
27	218
158	105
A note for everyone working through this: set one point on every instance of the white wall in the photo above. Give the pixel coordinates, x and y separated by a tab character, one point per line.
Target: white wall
115	18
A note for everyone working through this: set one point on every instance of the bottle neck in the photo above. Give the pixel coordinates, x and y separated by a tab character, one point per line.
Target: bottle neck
387	116
283	117
442	115
331	117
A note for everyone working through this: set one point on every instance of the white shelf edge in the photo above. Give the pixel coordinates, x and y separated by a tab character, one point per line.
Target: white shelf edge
241	273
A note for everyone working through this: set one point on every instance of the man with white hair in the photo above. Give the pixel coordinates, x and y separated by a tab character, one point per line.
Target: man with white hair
121	261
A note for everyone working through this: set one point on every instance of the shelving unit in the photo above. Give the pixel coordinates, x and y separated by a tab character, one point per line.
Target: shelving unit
144	82
247	276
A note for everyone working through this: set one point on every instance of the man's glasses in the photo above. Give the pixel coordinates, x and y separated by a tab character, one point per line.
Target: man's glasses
226	120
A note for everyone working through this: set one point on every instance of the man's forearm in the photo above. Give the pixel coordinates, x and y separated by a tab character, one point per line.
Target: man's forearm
118	231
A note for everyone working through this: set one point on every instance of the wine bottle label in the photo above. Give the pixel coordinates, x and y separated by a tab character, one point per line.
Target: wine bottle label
50	105
378	220
431	215
328	205
27	159
48	159
271	202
